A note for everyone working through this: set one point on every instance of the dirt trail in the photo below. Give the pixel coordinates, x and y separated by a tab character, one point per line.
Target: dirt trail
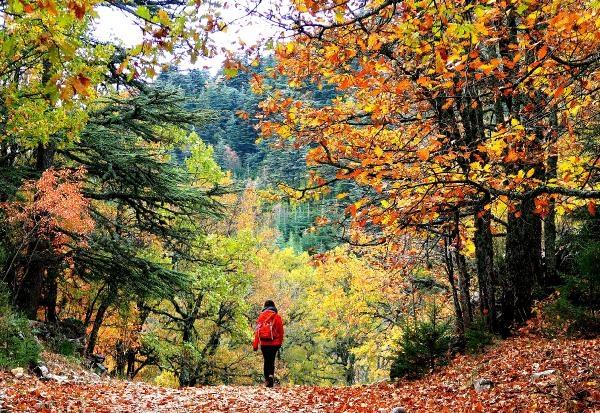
573	386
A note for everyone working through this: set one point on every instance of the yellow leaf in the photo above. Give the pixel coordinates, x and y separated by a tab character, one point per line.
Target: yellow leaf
289	48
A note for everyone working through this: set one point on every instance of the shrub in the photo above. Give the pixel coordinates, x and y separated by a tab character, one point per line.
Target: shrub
423	346
65	347
478	336
576	311
18	346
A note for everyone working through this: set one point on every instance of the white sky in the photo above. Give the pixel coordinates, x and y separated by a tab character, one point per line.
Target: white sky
116	26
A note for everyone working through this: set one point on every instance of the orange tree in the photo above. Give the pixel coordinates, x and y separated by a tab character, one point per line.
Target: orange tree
463	119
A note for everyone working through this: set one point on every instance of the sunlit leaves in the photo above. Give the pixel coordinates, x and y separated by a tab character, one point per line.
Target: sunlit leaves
411	84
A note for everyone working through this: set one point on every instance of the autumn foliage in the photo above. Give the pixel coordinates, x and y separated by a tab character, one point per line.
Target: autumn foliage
53	208
459	122
573	387
384	161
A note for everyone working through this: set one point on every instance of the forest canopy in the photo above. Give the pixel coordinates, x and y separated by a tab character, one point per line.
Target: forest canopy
406	180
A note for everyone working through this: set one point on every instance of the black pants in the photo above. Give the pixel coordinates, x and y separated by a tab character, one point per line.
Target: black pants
269	353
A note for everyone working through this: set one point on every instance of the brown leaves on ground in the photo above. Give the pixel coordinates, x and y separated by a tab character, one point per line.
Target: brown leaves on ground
573	387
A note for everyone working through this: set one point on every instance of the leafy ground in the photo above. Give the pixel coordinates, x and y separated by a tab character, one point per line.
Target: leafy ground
573	387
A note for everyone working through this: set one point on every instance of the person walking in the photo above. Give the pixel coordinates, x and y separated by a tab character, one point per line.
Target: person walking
269	335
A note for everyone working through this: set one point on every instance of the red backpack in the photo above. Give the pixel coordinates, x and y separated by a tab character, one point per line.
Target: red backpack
264	326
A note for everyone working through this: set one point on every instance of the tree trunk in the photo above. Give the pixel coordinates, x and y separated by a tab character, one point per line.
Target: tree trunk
551	278
96	326
464	278
131	370
51	294
523	262
186	378
464	286
29	291
486	277
350	369
460	327
120	359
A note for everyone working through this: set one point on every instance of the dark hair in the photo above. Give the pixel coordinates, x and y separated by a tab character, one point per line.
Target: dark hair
269	303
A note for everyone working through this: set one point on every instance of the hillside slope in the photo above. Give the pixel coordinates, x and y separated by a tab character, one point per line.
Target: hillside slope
573	386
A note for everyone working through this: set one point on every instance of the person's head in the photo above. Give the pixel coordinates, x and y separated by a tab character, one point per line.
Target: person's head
269	303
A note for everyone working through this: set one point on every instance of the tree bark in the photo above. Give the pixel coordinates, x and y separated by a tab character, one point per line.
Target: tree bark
486	276
464	278
460	327
523	262
551	278
464	289
51	294
29	291
104	304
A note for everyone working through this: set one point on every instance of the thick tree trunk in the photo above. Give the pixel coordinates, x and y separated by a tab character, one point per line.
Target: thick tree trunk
349	368
464	278
131	370
486	277
523	262
29	291
551	278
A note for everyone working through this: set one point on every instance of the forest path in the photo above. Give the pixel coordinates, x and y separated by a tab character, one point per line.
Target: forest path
574	385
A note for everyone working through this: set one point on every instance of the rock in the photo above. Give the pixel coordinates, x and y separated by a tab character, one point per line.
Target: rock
18	372
541	374
56	377
482	385
398	410
41	371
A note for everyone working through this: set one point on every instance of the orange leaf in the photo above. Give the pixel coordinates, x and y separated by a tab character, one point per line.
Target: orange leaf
591	206
423	154
512	156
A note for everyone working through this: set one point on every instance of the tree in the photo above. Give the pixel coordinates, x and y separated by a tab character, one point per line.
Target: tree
52	72
470	110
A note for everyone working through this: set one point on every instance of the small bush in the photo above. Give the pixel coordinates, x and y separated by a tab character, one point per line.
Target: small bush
478	336
424	345
65	337
18	346
576	311
66	348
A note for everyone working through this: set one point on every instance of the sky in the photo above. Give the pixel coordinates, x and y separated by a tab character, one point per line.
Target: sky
116	26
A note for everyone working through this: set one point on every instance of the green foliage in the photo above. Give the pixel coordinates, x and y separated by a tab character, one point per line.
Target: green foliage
423	345
478	336
18	346
65	347
576	311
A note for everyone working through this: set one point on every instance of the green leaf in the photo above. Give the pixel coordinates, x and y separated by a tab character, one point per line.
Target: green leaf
143	12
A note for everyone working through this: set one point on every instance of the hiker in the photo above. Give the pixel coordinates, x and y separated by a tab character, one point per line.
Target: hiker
269	334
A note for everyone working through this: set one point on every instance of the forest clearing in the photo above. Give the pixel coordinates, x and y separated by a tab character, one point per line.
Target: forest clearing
300	205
